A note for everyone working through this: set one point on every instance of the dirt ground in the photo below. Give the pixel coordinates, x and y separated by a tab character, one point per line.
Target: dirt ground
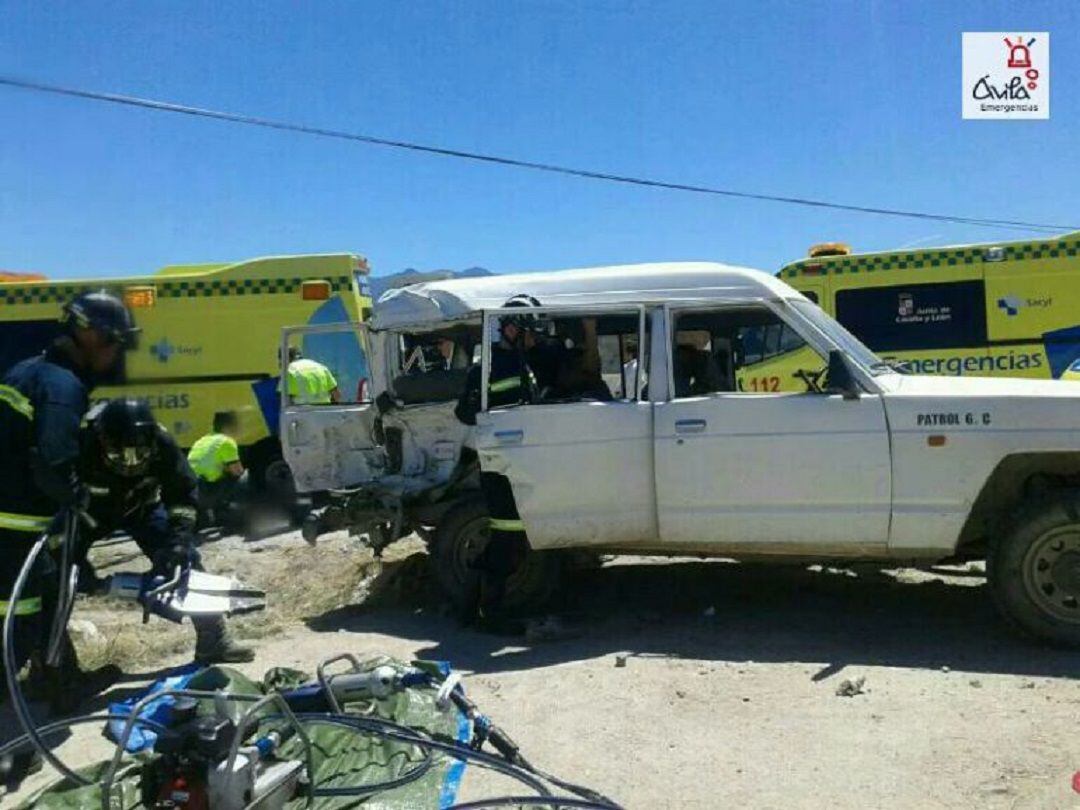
728	696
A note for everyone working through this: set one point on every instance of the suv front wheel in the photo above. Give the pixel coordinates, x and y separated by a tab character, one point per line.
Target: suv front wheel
1034	569
460	537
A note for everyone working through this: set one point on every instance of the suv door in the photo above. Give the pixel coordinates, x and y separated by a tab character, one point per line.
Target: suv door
777	471
581	469
330	446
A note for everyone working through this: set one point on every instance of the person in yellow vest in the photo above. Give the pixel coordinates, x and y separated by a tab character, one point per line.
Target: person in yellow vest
215	459
310	382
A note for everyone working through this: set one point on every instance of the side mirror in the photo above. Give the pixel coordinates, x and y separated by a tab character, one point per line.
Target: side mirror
839	379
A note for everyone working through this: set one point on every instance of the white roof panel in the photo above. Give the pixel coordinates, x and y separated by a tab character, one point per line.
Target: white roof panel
632	283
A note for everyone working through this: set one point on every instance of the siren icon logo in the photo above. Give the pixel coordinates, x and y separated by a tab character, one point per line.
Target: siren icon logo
1006	76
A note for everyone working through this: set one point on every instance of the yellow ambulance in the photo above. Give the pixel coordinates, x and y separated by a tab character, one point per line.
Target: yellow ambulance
1005	309
210	337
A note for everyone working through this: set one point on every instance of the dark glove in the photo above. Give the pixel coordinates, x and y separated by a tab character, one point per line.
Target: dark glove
177	553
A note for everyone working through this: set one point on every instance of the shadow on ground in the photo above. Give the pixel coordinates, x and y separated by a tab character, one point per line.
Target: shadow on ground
723	611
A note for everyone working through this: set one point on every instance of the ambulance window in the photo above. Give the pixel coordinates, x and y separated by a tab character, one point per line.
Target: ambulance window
916	316
813	296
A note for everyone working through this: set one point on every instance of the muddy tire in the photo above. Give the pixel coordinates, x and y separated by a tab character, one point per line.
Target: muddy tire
462	534
1034	569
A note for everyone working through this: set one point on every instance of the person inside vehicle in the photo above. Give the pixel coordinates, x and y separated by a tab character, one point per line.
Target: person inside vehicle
578	375
140	483
695	370
222	480
511	382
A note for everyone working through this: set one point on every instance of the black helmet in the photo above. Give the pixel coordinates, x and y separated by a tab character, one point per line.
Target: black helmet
526	321
127	431
103	313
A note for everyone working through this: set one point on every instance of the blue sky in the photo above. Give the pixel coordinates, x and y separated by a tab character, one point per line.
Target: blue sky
857	102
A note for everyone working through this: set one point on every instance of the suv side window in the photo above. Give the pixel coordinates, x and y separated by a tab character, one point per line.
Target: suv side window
588	357
740	349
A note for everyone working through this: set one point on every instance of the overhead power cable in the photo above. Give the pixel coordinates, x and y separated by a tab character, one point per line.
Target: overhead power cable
250	120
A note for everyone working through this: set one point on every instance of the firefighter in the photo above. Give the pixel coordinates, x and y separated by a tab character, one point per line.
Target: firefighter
222	480
42	402
310	382
140	483
511	382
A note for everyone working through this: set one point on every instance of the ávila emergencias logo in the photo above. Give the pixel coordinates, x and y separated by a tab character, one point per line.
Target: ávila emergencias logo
1006	76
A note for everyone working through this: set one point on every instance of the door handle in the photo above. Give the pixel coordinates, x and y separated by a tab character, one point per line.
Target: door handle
510	436
690	426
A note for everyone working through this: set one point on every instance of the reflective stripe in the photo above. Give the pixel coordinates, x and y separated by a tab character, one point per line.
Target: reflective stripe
14	398
24	607
184	512
98	492
509	384
503	525
23	523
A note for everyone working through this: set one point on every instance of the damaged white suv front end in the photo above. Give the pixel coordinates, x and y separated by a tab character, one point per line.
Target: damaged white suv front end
696	409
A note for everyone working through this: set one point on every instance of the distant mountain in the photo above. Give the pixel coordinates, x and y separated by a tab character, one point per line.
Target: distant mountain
380	284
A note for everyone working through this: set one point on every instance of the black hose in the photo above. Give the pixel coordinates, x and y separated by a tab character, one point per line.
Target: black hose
22	711
393	730
589	795
14	745
377	787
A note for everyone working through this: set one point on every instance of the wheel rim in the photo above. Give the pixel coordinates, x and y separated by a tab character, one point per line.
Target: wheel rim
278	480
472	539
1052	573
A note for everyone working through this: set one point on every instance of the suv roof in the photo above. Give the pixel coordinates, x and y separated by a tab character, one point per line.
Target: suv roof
660	282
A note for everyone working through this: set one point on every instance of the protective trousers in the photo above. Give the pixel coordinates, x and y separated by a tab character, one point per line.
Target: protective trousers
506	548
31	619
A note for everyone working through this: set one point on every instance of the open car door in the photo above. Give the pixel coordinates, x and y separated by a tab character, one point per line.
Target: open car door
329	446
580	465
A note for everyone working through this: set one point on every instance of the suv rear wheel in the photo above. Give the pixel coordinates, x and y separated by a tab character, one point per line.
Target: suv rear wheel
1034	569
460	537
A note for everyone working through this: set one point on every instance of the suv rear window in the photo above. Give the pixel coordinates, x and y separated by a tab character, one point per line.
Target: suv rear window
916	316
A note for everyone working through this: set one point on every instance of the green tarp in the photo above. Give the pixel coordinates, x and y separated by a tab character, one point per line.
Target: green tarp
342	757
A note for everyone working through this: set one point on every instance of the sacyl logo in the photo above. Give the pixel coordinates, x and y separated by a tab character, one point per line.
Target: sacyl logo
1012	304
163	350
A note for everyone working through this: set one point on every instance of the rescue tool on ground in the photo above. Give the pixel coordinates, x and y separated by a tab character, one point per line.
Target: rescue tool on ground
396	734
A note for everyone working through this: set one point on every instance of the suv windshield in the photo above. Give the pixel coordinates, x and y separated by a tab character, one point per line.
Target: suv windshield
846	341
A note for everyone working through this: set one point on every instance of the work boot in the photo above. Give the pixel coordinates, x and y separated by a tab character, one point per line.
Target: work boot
66	686
214	643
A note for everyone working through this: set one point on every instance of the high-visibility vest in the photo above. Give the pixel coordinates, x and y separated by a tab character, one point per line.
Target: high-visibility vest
211	454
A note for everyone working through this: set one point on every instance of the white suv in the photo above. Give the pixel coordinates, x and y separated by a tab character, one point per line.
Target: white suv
696	408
